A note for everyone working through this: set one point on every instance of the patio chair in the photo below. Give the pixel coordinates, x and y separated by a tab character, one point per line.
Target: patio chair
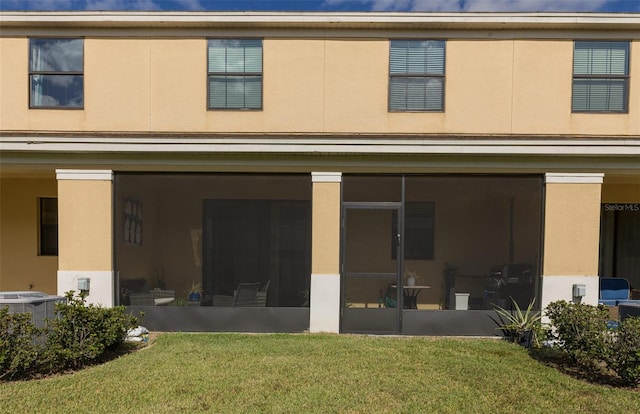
261	295
246	295
141	299
615	291
163	297
223	300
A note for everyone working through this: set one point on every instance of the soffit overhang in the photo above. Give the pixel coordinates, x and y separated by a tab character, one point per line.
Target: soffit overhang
320	20
337	144
42	153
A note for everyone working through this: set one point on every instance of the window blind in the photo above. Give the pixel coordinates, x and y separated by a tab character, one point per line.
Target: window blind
416	75
414	57
56	73
600	58
600	76
235	73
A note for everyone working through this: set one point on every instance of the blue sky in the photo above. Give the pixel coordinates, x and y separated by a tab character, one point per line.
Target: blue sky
331	5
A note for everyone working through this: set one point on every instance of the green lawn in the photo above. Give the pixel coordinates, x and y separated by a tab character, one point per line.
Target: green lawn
317	373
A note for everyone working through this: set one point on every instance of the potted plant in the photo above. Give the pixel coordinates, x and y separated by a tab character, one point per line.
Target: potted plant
195	292
411	277
519	326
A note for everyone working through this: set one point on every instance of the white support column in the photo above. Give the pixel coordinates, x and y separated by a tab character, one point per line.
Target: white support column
571	236
325	254
85	217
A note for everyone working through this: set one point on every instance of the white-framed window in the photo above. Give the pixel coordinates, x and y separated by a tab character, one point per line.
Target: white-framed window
234	71
416	75
600	76
56	73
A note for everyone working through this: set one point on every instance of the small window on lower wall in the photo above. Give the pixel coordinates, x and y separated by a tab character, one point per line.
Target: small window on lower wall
48	227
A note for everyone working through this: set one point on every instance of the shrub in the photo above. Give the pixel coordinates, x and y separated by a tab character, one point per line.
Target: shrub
18	349
625	356
581	331
81	333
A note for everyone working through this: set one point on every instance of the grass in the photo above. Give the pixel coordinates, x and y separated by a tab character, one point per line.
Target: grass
318	373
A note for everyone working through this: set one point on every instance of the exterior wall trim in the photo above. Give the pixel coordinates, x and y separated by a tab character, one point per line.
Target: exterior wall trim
574	178
320	24
101	282
318	19
326	177
560	287
97	175
626	147
320	33
325	303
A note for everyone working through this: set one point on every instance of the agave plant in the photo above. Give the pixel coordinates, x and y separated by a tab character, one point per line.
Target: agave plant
517	325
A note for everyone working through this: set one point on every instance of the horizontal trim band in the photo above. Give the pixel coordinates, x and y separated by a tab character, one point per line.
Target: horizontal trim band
624	147
574	178
326	177
574	276
97	175
317	19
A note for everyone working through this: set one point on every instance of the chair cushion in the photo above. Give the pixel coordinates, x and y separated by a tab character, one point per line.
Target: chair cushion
614	288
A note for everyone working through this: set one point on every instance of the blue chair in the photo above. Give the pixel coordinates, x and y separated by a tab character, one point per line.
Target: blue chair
615	291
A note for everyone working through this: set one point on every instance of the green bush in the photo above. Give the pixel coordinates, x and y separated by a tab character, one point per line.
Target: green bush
18	339
581	331
625	356
79	335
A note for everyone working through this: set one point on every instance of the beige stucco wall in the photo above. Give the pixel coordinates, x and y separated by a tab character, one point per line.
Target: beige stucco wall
493	86
479	86
21	268
549	98
571	229
325	228
14	66
85	225
351	104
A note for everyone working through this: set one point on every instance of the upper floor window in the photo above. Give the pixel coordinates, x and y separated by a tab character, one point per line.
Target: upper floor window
235	73
56	73
600	76
416	75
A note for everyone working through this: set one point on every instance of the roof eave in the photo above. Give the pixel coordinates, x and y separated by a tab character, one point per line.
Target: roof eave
503	21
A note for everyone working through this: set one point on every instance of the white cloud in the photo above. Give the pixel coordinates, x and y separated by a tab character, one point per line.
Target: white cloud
190	4
121	5
533	5
476	5
46	100
101	4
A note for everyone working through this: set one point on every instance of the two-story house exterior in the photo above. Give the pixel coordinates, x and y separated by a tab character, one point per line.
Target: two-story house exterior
319	161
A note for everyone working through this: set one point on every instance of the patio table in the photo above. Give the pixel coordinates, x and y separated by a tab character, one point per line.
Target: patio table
411	294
